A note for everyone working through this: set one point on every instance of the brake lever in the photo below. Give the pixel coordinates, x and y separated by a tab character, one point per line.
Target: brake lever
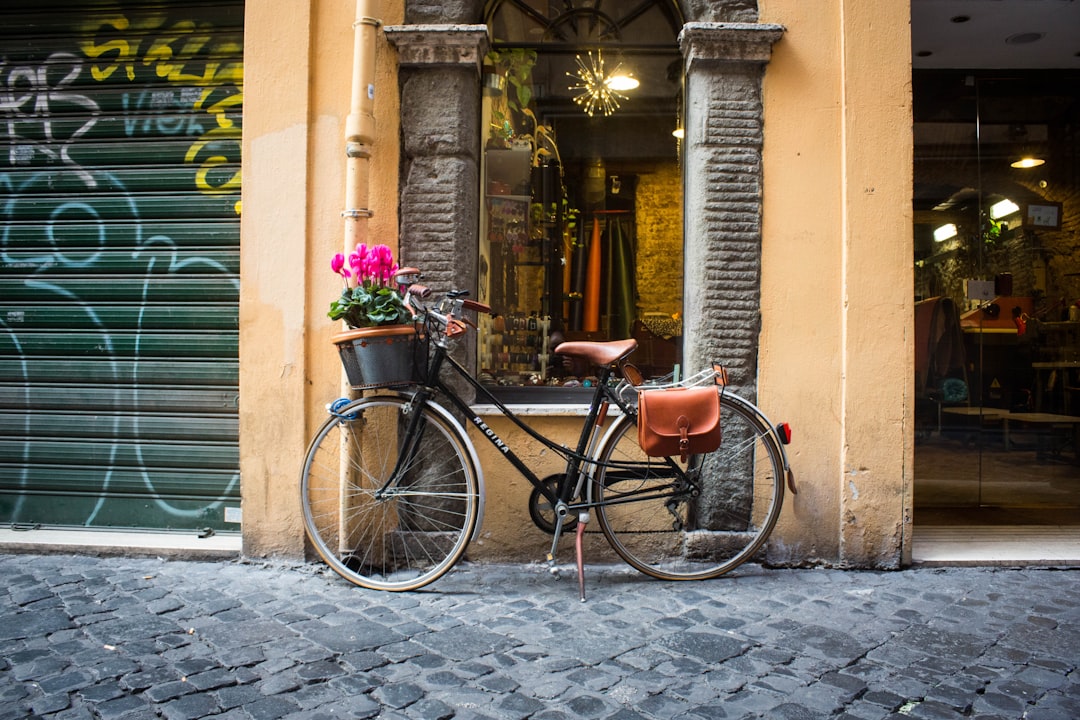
455	326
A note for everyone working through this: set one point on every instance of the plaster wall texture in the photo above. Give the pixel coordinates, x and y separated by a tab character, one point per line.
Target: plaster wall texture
836	350
878	278
272	297
298	70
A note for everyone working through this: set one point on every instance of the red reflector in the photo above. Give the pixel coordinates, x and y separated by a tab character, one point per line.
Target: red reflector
784	431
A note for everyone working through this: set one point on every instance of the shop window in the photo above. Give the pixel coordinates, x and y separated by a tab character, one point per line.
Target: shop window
581	218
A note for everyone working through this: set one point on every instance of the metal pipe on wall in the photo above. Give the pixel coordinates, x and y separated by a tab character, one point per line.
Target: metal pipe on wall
360	126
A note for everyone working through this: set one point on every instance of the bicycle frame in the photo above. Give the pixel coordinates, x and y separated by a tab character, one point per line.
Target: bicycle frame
403	510
578	459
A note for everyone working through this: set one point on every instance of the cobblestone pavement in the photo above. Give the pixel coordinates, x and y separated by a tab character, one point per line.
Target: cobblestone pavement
118	638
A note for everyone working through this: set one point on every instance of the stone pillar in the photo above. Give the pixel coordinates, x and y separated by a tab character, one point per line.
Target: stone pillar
722	219
722	237
440	114
440	149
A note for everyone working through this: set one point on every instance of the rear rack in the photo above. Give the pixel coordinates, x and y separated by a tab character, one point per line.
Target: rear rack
716	375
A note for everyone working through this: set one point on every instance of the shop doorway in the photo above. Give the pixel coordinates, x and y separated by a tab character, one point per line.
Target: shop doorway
997	279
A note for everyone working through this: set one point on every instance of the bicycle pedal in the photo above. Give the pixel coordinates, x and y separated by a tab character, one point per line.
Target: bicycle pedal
552	568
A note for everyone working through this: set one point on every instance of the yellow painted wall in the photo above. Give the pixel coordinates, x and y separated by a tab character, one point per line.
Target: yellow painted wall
836	357
508	531
837	307
298	72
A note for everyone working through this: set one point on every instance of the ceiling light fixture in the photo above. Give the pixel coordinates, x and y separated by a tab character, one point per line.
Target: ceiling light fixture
596	90
1027	162
1003	208
622	82
944	232
1024	38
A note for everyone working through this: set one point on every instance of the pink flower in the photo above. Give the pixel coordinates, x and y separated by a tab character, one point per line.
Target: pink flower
337	264
373	264
358	261
370	264
380	302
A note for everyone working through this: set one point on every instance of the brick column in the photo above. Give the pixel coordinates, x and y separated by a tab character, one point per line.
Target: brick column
440	150
722	237
722	219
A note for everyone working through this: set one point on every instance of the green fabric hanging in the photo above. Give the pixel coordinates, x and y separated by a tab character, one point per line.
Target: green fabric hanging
622	285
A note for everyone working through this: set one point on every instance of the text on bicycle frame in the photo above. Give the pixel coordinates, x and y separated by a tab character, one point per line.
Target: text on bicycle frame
491	435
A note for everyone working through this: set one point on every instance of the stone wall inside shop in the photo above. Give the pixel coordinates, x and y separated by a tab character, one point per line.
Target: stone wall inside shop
1042	261
660	241
1059	250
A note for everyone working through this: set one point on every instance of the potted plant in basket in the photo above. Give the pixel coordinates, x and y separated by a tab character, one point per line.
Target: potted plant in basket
378	350
370	297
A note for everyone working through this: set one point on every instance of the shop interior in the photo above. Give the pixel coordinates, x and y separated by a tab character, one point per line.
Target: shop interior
997	274
581	222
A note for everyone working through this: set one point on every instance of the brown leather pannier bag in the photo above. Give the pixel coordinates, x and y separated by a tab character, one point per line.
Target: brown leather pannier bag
679	421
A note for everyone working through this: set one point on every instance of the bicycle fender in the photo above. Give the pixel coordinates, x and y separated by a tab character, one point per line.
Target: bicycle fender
789	474
473	457
761	419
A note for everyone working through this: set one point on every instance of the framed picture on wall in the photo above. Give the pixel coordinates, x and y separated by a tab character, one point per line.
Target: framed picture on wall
1045	215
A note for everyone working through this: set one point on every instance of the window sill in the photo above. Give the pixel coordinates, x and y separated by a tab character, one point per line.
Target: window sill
541	395
541	401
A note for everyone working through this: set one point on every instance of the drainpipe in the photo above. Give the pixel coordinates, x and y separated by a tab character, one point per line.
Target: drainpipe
360	126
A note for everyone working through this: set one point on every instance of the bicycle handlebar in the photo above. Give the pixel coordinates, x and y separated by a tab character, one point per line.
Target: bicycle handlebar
478	307
447	312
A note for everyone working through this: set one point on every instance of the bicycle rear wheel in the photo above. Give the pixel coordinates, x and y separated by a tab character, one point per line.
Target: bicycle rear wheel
704	526
397	536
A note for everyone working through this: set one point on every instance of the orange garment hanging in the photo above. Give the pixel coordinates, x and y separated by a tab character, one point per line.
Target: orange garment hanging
592	282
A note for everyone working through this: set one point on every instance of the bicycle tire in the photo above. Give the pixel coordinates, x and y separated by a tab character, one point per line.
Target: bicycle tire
421	528
680	536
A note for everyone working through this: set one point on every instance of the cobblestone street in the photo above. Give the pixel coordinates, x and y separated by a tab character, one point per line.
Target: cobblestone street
117	638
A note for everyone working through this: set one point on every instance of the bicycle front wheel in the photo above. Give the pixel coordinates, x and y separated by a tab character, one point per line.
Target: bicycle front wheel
699	524
385	508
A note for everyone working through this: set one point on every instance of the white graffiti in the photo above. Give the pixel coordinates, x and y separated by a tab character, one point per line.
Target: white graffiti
29	99
44	118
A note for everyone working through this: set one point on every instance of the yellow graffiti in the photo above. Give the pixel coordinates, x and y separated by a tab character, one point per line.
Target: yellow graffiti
121	47
170	65
208	165
118	52
183	53
220	108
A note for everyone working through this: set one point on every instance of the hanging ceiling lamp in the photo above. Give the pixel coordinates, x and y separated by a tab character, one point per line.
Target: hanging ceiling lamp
1028	161
595	89
1027	141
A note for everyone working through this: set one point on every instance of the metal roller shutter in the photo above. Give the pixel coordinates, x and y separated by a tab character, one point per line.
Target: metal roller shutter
119	263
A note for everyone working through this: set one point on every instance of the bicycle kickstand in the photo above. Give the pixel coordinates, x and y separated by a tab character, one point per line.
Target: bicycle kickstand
552	567
583	520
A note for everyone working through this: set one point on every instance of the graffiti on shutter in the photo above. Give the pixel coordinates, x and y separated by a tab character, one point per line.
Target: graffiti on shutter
119	263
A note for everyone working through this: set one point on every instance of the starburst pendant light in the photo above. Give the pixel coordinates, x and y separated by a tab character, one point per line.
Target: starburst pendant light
595	89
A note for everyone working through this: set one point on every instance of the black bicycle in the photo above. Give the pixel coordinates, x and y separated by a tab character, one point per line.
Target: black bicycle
393	492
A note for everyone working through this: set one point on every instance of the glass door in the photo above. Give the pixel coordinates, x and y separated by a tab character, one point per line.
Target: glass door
997	287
